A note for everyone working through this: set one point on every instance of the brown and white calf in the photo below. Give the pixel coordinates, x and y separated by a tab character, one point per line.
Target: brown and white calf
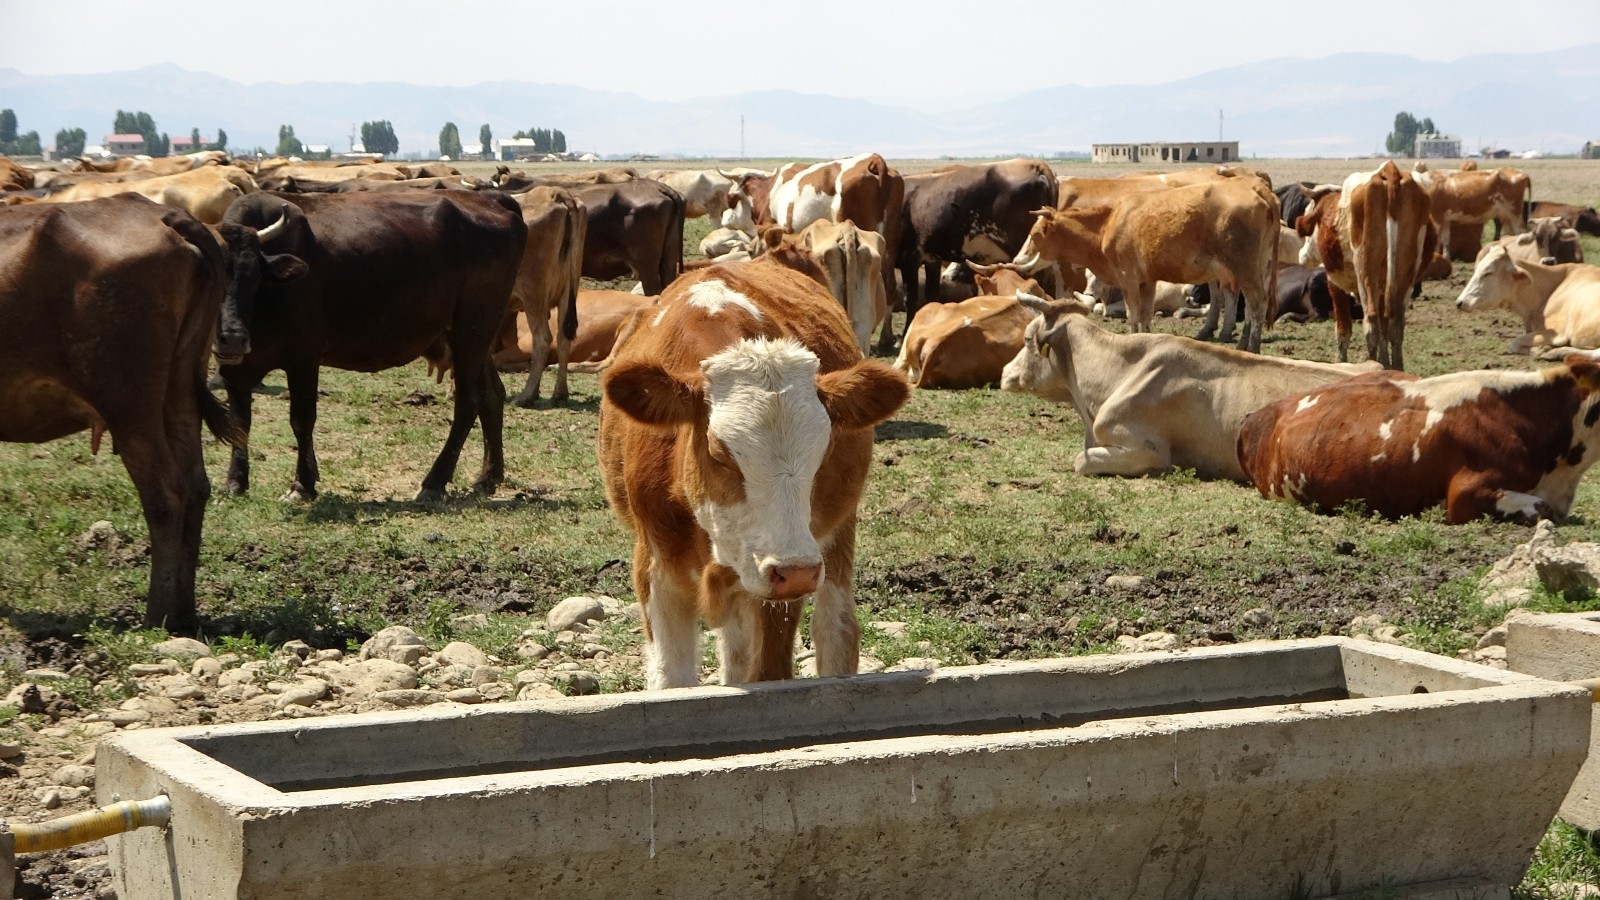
735	439
852	261
1373	237
1510	445
965	344
1152	402
1462	202
1559	305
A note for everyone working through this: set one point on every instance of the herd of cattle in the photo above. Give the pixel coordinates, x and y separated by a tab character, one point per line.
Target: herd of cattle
738	393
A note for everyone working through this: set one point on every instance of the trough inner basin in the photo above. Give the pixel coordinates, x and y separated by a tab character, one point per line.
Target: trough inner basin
977	700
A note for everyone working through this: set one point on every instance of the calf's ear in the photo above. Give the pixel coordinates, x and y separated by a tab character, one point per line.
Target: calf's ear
650	395
863	395
1585	370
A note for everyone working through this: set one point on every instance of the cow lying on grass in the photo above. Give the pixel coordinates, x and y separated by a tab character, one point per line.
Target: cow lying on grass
1510	445
1152	402
1559	305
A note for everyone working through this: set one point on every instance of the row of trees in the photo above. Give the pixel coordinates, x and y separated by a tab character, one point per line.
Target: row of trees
71	141
376	136
545	140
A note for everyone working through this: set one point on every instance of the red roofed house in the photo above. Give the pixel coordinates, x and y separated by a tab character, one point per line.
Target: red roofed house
125	144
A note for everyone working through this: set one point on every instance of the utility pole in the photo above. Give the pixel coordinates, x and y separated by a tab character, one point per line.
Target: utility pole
1219	126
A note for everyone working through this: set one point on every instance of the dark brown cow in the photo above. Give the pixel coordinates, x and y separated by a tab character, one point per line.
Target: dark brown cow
108	309
1511	445
1583	218
980	213
367	282
635	228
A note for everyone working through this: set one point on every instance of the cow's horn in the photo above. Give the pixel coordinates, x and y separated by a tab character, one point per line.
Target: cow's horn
982	269
733	178
272	231
1037	304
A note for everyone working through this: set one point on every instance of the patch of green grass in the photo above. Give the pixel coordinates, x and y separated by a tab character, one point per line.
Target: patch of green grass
1566	858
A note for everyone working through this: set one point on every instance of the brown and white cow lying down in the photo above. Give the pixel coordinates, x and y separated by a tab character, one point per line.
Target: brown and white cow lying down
1559	305
1512	445
1152	402
735	438
1545	239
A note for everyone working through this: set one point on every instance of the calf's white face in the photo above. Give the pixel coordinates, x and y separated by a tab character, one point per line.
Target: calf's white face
769	431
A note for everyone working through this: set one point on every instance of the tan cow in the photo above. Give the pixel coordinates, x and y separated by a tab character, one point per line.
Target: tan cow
1461	203
1559	305
205	193
15	176
1223	231
547	282
965	344
601	315
1374	238
852	260
1152	402
735	440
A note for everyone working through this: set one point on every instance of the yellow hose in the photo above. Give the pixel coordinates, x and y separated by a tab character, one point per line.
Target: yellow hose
1592	685
91	826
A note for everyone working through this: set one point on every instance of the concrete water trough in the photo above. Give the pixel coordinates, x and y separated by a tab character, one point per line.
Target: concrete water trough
1301	768
1563	647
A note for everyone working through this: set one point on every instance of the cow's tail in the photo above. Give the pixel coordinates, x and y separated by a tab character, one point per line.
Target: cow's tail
1268	317
672	259
219	418
1392	295
571	250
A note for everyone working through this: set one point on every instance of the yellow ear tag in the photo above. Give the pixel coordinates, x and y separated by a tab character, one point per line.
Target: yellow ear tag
1044	351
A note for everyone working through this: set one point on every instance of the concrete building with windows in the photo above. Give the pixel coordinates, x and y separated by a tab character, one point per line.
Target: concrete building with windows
1436	146
1167	151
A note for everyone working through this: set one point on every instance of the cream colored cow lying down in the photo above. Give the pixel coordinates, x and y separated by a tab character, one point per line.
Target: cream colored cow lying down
1559	305
1153	402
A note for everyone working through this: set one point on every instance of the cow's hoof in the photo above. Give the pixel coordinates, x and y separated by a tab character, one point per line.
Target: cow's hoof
1204	334
235	488
298	494
525	401
558	399
430	495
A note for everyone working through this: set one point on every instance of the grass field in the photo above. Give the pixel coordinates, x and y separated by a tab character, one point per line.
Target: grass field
974	528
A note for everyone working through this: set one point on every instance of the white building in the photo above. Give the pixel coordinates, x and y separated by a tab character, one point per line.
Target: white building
1167	152
1436	146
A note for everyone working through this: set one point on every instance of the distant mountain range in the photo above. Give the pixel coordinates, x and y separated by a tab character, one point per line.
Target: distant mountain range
1339	105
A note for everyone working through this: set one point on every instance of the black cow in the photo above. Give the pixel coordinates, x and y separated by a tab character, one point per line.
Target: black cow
367	282
980	213
1303	296
1293	201
108	310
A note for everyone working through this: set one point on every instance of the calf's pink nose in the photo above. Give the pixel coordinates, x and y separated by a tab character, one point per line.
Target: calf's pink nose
788	582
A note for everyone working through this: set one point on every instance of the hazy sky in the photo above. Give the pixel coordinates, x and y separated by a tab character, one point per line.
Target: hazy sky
674	51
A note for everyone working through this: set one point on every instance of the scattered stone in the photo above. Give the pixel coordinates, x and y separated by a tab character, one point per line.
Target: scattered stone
122	718
332	654
181	687
464	695
538	690
239	693
206	670
1256	618
493	691
915	664
49	798
1494	637
182	649
575	611
300	649
461	653
144	670
9	750
1125	582
73	776
409	697
1148	643
470	621
895	630
45	675
381	645
577	683
532	651
485	674
306	693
